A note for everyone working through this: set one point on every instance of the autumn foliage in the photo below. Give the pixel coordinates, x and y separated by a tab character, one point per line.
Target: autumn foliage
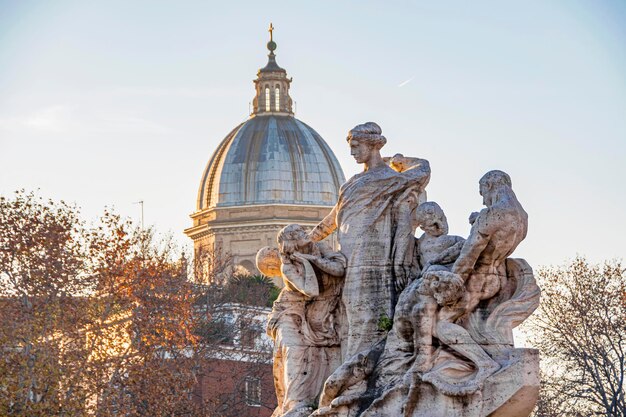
96	319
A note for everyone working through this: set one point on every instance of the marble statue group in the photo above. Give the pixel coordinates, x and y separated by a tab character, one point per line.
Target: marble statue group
388	324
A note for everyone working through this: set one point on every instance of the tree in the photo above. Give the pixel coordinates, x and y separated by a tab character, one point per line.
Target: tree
580	327
42	268
95	319
144	290
105	320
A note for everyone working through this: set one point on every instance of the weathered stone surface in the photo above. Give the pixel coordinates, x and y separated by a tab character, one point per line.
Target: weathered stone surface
513	392
374	231
305	320
425	324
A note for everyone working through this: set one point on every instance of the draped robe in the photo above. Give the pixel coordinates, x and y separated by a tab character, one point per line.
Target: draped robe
377	240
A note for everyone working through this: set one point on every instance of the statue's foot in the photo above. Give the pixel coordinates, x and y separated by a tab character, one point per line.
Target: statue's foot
485	370
299	412
324	411
453	389
345	400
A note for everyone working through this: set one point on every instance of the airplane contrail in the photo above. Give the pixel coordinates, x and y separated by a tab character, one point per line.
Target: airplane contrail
403	83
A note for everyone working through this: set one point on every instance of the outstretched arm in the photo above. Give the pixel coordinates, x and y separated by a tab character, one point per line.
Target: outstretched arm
325	227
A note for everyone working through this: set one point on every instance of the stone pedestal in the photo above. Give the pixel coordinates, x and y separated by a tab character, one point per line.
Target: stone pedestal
511	392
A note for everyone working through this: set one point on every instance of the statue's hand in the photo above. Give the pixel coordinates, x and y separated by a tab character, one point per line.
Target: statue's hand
473	217
300	256
398	162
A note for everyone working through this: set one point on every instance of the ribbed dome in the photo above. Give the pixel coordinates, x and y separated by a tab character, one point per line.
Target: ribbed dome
271	159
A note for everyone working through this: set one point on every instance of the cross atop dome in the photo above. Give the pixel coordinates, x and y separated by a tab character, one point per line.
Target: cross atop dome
272	85
271	45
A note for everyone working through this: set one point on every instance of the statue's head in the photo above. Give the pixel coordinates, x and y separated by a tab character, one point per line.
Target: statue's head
492	183
268	261
446	287
431	219
291	238
364	140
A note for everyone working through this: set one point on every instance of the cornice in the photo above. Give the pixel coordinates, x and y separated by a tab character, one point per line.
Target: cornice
247	206
204	230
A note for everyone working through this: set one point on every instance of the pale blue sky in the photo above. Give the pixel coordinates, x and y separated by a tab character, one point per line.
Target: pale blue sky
106	103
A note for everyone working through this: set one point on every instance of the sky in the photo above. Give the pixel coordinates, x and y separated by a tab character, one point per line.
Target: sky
112	102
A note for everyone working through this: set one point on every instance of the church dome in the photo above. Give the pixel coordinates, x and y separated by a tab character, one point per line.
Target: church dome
271	159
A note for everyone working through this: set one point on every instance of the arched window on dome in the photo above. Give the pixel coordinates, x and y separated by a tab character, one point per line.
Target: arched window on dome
267	99
277	98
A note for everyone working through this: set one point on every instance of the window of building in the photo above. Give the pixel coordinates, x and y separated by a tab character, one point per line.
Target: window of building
253	391
249	332
267	99
277	98
217	331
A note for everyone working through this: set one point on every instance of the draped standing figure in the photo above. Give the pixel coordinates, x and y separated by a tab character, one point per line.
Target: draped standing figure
374	235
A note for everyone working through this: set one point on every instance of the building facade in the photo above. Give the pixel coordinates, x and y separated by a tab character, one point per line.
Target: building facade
235	377
270	171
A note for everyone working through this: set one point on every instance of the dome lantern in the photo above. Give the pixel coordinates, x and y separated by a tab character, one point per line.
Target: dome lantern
272	86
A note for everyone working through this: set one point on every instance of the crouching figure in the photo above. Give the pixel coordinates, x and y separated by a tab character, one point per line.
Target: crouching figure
305	319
